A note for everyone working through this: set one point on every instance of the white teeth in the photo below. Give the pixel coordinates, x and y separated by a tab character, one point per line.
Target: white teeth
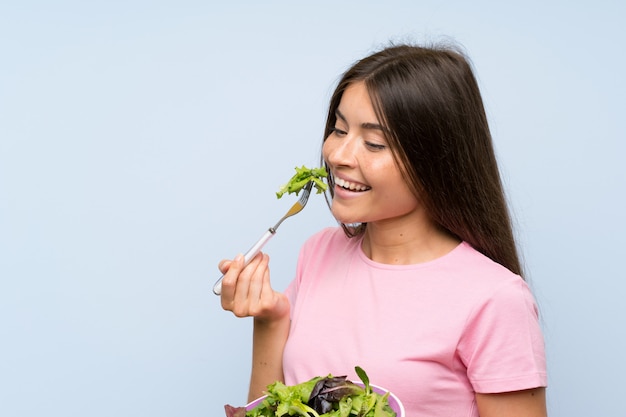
350	185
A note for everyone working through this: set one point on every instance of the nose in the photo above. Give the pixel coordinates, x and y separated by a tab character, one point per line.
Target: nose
340	151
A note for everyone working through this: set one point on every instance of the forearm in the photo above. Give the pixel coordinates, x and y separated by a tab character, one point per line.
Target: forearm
269	338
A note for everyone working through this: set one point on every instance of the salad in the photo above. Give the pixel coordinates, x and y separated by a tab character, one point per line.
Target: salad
328	396
301	178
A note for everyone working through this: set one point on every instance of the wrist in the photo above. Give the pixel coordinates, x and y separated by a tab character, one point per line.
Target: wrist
275	317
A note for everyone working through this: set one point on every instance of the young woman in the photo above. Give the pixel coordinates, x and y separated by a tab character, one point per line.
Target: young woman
421	285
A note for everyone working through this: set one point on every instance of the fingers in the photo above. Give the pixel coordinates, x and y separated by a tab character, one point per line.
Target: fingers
231	270
266	290
256	285
246	290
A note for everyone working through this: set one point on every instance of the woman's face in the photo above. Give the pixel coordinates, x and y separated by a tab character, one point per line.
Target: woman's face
369	186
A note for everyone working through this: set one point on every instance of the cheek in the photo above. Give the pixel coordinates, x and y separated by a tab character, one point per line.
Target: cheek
390	179
384	170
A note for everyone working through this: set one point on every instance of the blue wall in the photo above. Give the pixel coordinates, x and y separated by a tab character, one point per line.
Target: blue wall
141	142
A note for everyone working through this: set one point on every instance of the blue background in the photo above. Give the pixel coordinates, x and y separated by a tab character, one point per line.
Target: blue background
142	141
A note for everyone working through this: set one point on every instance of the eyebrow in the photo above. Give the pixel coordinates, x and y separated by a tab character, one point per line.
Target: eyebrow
372	126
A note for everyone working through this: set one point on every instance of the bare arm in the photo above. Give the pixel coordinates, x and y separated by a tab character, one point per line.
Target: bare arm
526	403
246	291
267	354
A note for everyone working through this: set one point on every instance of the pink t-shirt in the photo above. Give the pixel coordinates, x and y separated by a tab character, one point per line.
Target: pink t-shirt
433	333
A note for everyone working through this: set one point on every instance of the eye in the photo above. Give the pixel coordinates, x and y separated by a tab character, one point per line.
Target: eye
375	146
337	132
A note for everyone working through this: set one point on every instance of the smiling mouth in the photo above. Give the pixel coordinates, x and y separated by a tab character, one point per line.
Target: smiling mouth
347	185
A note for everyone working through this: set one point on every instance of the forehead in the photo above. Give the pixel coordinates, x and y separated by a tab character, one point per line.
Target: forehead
356	103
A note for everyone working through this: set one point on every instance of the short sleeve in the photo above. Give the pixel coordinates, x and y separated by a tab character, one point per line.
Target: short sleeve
502	345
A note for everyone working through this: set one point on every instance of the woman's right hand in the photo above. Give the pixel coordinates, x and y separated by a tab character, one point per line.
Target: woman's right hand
247	292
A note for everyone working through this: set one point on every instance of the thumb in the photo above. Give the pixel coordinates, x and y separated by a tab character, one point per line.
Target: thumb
224	265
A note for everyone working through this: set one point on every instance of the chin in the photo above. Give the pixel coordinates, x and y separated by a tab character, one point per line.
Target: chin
348	215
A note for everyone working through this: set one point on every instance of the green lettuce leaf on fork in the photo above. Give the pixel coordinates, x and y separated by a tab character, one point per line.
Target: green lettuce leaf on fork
301	178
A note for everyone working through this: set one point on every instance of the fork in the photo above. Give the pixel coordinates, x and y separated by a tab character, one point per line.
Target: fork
256	248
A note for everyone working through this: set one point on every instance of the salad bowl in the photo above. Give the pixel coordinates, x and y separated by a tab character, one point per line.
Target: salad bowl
393	400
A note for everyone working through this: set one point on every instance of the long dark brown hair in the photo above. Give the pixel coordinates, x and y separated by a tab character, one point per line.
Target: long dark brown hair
429	100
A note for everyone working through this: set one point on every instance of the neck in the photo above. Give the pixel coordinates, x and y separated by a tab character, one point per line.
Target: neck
405	244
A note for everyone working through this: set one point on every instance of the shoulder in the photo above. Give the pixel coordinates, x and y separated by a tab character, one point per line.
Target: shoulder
329	233
327	238
326	249
479	267
321	250
494	289
481	282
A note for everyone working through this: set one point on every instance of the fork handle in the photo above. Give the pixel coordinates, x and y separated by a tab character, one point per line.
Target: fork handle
252	252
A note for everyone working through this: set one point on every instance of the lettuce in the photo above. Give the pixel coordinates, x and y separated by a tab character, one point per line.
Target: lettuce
320	397
301	178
